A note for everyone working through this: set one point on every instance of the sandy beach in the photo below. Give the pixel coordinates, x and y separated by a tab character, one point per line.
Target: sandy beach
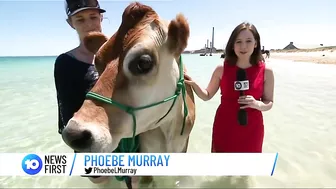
320	56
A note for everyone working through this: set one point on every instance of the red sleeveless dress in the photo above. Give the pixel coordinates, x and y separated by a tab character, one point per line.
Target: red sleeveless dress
227	135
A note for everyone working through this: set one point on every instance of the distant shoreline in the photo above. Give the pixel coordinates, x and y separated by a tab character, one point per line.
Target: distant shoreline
328	48
322	55
29	56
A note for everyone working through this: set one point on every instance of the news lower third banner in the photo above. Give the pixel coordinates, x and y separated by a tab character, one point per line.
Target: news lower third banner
138	164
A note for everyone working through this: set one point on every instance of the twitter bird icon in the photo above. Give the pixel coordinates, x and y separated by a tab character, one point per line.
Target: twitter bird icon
88	170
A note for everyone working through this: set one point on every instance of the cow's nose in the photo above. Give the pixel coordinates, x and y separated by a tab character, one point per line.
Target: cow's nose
78	138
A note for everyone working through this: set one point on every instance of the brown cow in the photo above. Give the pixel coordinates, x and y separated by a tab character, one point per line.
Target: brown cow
138	66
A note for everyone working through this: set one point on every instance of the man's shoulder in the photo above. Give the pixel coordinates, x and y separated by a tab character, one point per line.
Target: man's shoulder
65	56
61	63
60	59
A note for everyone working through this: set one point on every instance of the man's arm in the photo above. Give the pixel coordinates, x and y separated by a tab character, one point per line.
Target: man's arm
64	94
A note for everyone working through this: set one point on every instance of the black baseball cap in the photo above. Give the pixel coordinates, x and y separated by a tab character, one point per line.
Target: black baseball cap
74	6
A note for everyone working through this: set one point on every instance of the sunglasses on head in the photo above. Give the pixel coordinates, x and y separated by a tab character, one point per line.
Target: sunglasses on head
73	5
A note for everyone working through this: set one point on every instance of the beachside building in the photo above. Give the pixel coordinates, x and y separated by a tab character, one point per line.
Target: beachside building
290	46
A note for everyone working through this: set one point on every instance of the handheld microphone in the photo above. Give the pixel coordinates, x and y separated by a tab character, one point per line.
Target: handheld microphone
241	85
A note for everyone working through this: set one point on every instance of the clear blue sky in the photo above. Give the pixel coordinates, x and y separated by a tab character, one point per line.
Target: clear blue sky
38	27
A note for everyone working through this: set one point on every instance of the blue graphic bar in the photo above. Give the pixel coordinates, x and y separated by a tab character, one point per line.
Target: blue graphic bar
73	163
275	161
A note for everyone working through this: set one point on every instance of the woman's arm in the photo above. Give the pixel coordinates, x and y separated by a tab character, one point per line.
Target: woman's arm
213	86
268	95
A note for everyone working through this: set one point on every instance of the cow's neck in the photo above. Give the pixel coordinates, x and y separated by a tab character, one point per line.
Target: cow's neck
166	137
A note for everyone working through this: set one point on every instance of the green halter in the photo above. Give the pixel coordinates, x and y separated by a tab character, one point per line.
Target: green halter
131	145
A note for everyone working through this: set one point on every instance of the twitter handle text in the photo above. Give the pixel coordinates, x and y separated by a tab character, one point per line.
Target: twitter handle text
114	170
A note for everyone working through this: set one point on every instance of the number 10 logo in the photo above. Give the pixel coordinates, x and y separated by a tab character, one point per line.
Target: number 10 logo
31	164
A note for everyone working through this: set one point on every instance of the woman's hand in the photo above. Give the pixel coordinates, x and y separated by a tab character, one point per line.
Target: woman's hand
249	102
188	80
213	86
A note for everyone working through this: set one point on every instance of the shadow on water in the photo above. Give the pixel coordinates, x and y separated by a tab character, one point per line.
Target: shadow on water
227	182
201	182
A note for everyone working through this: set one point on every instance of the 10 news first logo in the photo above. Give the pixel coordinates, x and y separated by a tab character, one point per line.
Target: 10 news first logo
32	164
241	85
